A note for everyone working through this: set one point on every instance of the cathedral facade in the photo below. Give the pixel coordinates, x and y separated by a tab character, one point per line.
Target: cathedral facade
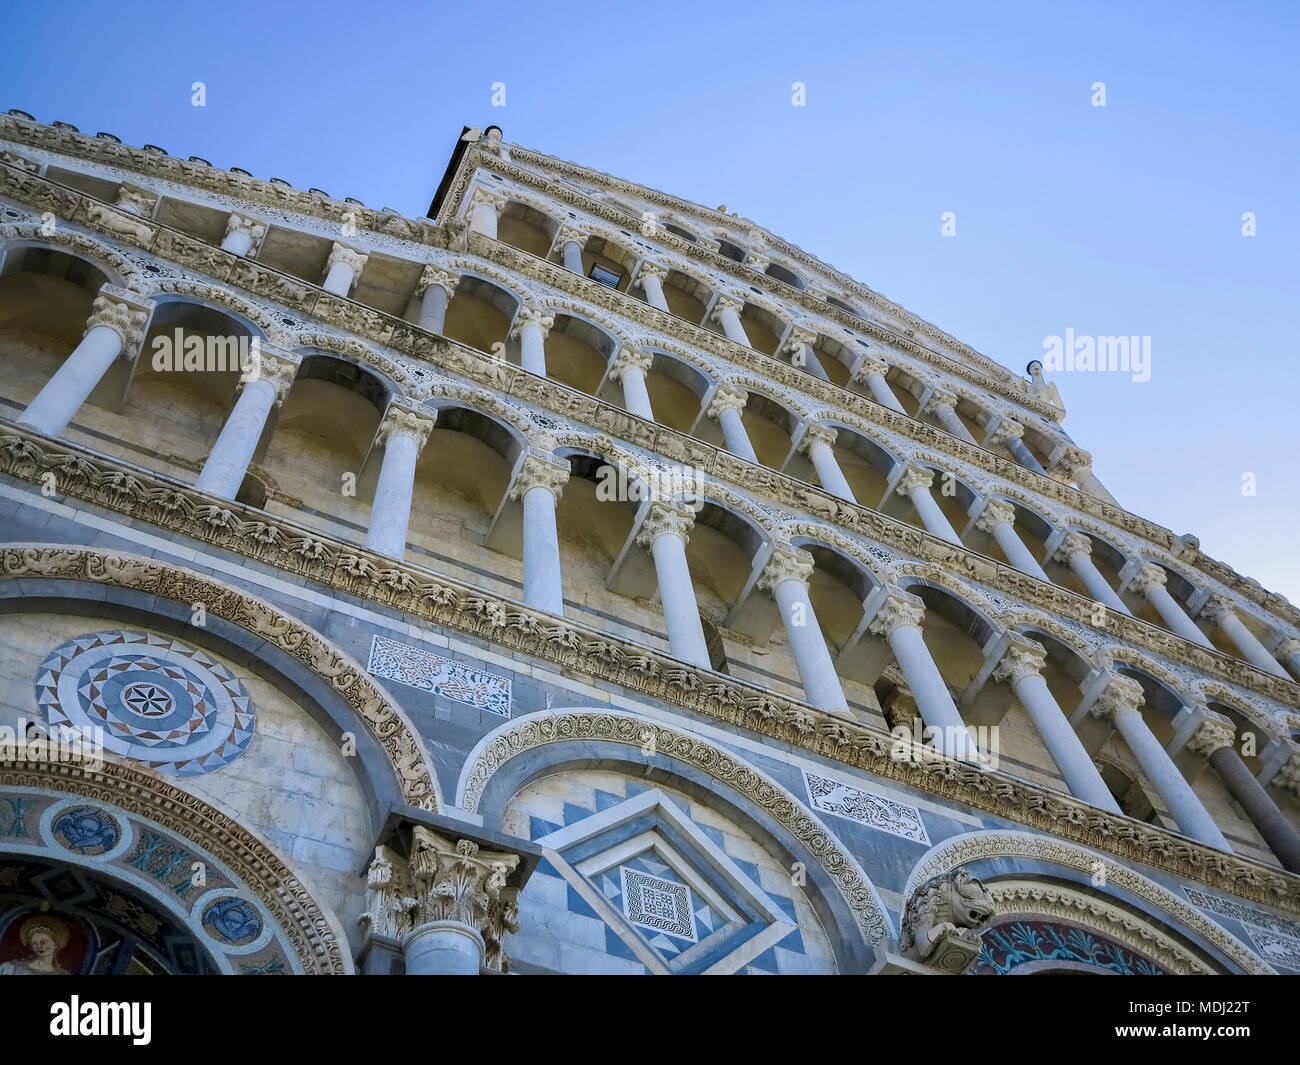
581	580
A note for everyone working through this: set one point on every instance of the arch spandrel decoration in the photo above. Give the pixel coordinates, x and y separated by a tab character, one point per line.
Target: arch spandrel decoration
244	908
414	774
970	847
560	726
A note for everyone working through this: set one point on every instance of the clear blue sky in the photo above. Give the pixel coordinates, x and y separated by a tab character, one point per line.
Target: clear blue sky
1117	220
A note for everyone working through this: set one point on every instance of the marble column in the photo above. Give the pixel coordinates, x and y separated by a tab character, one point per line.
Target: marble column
799	346
538	483
665	532
342	269
898	622
243	236
1289	652
530	327
817	441
1075	551
463	906
1215	741
402	433
630	367
1077	466
571	241
434	291
943	405
726	312
725	407
915	484
1150	581
264	386
651	279
1008	433
786	577
116	326
1022	667
871	371
1118	705
485	209
998	520
1218	609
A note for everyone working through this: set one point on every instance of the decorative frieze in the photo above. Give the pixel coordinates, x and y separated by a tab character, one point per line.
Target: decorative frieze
859	804
417	668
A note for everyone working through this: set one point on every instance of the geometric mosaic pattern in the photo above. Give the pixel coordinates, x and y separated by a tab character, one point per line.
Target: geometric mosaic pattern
865	807
1276	939
660	903
157	700
418	668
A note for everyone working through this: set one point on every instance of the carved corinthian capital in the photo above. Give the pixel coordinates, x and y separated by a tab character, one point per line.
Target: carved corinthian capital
435	275
390	905
786	564
1023	658
256	230
462	882
341	253
650	270
540	469
898	610
665	519
817	434
1217	608
126	315
1008	430
630	359
531	316
726	398
865	367
914	477
569	234
1213	733
276	369
724	304
1148	577
405	422
1075	545
939	398
1288	776
798	340
1074	460
1120	696
995	513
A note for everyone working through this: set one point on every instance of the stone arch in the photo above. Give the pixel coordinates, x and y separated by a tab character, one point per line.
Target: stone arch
119	269
133	795
588	313
1122	656
791	402
972	598
843	887
150	584
444	393
398	378
992	845
509	282
258	319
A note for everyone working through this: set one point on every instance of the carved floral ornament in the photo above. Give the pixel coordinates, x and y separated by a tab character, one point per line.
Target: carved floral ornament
461	364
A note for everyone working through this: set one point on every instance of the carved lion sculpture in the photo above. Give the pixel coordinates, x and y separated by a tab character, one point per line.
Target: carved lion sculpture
951	906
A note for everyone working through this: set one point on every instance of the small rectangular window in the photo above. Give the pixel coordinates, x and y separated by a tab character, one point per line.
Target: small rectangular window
605	277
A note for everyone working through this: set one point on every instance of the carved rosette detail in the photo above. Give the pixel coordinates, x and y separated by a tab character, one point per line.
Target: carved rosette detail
540	470
664	519
400	420
1021	660
995	513
786	564
435	275
898	609
726	398
630	359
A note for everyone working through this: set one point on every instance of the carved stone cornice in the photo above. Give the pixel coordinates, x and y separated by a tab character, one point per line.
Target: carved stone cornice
540	469
411	592
486	370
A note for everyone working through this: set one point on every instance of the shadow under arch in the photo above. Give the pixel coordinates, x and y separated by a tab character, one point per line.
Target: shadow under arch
527	748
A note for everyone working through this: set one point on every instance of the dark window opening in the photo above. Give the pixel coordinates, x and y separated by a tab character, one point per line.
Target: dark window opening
605	276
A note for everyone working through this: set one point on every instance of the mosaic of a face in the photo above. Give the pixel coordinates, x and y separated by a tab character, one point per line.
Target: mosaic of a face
42	945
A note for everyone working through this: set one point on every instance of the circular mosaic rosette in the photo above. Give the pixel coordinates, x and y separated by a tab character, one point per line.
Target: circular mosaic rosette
157	700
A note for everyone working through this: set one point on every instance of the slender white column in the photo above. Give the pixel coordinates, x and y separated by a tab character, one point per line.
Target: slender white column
539	482
799	345
1150	581
666	531
243	235
786	576
116	326
915	484
630	367
943	405
1077	466
898	621
651	278
998	519
817	441
264	386
570	241
871	371
726	312
1219	610
726	405
402	433
435	289
1076	552
1022	666
1289	652
1118	704
342	269
531	327
484	210
1008	433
